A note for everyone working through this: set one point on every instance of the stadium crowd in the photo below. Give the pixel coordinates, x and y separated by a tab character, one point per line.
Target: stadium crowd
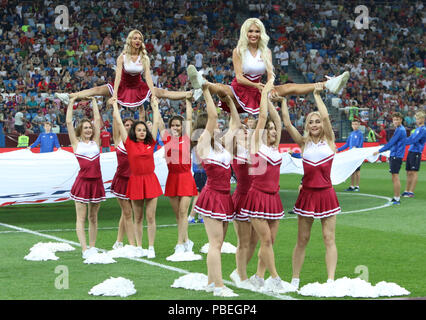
386	61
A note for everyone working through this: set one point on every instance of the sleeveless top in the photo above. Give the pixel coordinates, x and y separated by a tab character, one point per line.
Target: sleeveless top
317	162
123	167
218	169
241	166
266	164
178	156
88	157
131	67
253	67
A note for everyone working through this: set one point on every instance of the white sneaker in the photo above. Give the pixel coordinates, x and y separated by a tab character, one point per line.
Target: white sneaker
257	282
197	94
188	245
64	97
246	284
295	282
235	277
336	84
274	285
117	245
151	253
210	287
224	292
180	248
89	252
195	77
140	252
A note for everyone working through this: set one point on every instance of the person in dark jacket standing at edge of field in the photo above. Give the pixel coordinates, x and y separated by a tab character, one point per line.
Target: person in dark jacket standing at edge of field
396	145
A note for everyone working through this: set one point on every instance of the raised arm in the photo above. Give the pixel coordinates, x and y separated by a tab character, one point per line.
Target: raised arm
277	121
234	125
117	122
322	109
70	127
96	121
204	142
118	71
148	77
156	118
293	132
263	115
188	125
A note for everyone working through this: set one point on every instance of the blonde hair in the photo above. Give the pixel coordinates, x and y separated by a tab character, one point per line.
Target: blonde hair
307	135
128	47
242	45
420	114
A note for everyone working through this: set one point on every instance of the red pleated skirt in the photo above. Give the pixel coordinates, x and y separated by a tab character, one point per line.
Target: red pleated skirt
248	98
131	96
180	185
239	199
263	205
143	187
317	202
215	205
119	186
88	190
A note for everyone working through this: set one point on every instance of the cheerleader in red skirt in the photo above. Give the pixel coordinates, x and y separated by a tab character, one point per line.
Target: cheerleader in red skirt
180	184
143	186
317	198
128	88
88	189
247	237
119	185
251	60
215	202
263	204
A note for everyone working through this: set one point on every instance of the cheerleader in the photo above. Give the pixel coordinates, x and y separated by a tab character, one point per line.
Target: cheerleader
317	198
251	60
263	204
143	187
119	184
247	237
180	184
88	189
128	89
215	202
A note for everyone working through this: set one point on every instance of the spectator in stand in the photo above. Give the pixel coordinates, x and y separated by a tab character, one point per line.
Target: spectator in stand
20	121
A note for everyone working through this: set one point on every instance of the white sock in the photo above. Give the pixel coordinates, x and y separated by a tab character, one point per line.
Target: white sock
397	198
295	282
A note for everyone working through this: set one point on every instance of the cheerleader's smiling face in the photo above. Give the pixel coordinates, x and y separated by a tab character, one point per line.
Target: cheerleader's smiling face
176	128
87	131
253	34
271	133
314	125
140	132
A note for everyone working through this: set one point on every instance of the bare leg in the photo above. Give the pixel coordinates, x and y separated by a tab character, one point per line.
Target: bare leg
126	222
180	207
172	95
80	209
328	233
396	184
303	236
138	213
266	231
93	222
151	207
242	256
216	234
412	177
296	89
194	201
96	91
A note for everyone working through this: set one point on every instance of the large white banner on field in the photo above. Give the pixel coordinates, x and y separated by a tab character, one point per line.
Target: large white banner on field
36	178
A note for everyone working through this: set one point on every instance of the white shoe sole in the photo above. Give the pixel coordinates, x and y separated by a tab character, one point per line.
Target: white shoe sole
193	77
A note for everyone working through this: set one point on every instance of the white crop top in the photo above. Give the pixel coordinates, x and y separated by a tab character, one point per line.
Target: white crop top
133	67
253	67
